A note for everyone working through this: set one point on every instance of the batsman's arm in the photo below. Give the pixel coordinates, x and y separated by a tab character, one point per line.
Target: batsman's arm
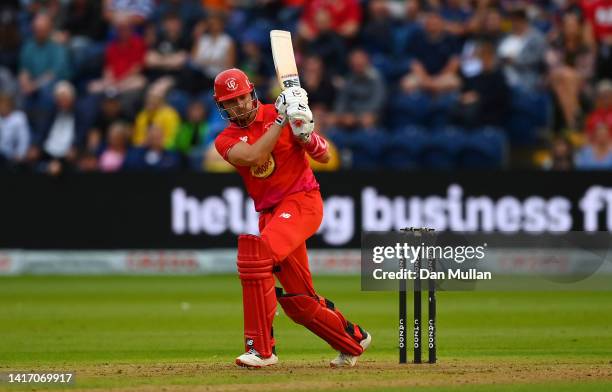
244	154
317	148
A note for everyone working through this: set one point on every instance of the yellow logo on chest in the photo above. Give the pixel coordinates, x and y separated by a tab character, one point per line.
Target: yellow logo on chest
265	170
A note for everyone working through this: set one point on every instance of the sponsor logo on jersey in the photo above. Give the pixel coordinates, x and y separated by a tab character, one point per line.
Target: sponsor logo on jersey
265	170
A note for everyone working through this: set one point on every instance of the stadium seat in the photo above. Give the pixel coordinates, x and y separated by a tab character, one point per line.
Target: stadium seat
404	147
409	109
442	148
340	138
440	110
529	112
484	148
367	147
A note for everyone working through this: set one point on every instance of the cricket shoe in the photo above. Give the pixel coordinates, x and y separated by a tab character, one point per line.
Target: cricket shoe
347	360
251	359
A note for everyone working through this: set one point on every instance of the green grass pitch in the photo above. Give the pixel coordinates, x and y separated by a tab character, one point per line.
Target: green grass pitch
181	333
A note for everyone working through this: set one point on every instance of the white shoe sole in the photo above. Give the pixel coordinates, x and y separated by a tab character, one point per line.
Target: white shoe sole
256	362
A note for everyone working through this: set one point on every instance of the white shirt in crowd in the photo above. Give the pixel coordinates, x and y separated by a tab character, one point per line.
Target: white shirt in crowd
61	136
14	135
213	52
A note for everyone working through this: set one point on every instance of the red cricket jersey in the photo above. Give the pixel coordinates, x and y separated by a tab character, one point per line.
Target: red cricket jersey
285	172
599	13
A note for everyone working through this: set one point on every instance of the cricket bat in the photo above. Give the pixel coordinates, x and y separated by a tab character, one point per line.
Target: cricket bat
284	60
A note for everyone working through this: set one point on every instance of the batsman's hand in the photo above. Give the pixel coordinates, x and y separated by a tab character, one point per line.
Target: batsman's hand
290	96
301	121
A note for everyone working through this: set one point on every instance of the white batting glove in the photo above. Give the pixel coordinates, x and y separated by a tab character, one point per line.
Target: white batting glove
301	121
290	96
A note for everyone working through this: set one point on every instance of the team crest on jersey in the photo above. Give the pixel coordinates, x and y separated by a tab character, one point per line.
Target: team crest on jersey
244	138
231	84
265	170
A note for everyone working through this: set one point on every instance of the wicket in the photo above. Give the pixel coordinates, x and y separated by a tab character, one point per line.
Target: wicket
431	298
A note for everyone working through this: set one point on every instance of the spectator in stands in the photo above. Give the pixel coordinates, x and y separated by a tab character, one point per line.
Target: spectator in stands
407	25
10	36
217	5
110	112
59	142
316	80
193	134
435	64
327	44
156	112
363	94
492	26
124	61
377	33
456	15
10	86
137	11
117	143
153	156
523	52
14	132
571	61
83	30
344	15
52	8
485	96
83	20
561	155
170	51
597	13
414	51
42	63
486	25
255	63
597	154
603	107
213	52
188	11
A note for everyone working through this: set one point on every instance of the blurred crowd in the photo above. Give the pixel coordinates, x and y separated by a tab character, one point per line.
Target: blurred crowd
119	85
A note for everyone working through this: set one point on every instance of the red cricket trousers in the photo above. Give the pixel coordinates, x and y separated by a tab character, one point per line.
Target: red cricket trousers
285	229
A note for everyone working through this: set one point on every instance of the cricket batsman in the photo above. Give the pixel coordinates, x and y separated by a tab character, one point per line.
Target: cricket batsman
268	145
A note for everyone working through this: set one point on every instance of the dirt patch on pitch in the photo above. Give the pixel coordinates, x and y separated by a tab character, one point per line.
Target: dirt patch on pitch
300	376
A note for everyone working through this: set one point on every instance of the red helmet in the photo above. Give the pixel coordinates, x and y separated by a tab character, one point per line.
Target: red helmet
231	83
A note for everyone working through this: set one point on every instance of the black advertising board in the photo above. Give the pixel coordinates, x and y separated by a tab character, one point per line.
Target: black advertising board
200	211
